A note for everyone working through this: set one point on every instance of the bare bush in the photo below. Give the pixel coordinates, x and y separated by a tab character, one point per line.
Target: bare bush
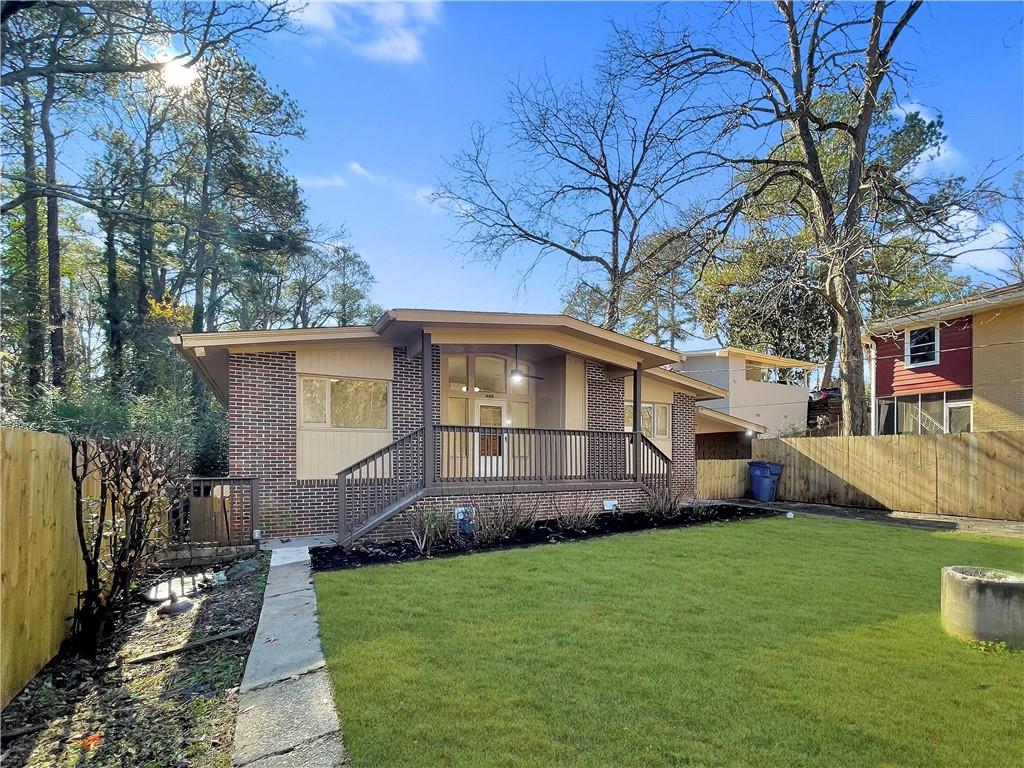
700	510
511	513
663	505
124	488
577	514
430	527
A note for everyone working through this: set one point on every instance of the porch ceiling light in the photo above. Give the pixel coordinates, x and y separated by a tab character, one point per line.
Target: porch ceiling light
517	374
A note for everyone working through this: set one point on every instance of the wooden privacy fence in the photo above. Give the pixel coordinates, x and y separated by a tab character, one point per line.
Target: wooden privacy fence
42	570
975	474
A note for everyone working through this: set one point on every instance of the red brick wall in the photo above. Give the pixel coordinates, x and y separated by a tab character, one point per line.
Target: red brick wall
684	453
953	371
604	399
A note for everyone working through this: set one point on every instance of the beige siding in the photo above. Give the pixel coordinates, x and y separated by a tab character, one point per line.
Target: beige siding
550	405
653	391
575	393
363	361
321	453
999	369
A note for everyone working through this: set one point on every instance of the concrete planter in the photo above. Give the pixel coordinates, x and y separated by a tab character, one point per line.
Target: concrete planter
983	604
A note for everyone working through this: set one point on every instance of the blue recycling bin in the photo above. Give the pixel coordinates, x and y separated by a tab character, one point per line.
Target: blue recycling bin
764	479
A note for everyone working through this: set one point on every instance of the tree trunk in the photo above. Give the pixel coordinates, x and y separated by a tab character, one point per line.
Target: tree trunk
58	359
115	319
851	352
830	355
35	341
613	308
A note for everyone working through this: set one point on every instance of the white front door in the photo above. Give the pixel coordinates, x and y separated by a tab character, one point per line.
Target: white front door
491	446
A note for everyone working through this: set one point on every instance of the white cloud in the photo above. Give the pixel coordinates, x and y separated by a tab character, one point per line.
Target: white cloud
983	246
379	30
357	169
323	182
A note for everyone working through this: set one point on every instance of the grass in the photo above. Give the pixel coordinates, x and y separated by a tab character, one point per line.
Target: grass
773	642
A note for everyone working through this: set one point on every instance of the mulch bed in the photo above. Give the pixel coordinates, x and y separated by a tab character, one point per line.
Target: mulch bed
541	532
172	712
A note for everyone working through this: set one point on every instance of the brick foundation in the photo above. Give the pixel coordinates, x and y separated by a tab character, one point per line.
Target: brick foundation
545	505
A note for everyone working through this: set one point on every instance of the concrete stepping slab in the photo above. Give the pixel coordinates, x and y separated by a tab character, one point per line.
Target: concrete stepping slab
276	720
287	641
288	578
326	752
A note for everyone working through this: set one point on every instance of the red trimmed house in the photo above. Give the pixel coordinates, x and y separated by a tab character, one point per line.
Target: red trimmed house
952	367
345	430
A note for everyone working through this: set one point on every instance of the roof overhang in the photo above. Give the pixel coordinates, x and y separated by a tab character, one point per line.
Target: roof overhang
561	331
772	361
1001	297
207	353
724	422
698	390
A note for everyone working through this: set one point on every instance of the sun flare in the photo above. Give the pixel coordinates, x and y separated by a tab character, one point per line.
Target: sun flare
177	75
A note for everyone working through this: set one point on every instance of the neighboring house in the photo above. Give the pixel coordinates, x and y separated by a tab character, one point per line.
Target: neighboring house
352	430
755	390
952	367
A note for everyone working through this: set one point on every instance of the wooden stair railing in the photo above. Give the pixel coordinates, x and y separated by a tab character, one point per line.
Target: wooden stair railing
379	486
655	466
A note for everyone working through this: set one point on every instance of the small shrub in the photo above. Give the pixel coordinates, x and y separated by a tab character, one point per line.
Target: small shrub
663	505
578	514
504	518
700	510
429	528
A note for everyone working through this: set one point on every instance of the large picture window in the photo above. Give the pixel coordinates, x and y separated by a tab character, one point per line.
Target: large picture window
343	403
921	346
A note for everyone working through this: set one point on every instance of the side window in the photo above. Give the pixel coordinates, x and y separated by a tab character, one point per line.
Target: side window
922	346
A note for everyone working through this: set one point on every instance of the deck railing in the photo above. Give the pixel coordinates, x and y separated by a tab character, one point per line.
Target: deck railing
371	485
372	489
470	454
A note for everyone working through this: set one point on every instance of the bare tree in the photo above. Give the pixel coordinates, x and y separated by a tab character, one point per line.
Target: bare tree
596	170
783	105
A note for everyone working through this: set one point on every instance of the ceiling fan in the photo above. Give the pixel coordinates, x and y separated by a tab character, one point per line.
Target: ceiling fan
517	374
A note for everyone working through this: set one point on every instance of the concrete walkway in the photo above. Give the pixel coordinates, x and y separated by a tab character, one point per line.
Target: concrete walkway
1009	528
286	715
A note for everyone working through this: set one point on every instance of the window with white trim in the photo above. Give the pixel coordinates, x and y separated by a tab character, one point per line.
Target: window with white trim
921	346
345	403
924	414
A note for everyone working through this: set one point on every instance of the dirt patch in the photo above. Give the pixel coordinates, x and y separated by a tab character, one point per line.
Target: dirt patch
171	712
541	532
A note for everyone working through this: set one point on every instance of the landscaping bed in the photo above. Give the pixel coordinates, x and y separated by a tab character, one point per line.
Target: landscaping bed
537	532
171	712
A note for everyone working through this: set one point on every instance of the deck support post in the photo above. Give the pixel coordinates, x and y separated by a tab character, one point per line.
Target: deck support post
637	421
428	410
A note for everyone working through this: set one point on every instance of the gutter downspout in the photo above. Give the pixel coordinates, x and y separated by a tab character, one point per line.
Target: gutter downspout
872	362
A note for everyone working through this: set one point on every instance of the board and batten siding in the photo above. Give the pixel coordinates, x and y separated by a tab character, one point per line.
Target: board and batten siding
575	393
322	452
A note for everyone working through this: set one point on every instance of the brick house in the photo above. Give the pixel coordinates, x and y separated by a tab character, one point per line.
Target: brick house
347	430
952	367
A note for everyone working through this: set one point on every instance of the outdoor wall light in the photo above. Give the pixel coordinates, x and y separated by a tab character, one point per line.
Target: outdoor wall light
750	433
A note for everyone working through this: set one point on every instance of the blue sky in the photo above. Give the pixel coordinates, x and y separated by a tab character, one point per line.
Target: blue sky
390	90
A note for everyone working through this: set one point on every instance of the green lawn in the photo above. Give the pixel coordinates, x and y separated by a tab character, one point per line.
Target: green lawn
763	643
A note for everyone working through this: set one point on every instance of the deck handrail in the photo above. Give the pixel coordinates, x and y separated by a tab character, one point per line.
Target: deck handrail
655	466
381	481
